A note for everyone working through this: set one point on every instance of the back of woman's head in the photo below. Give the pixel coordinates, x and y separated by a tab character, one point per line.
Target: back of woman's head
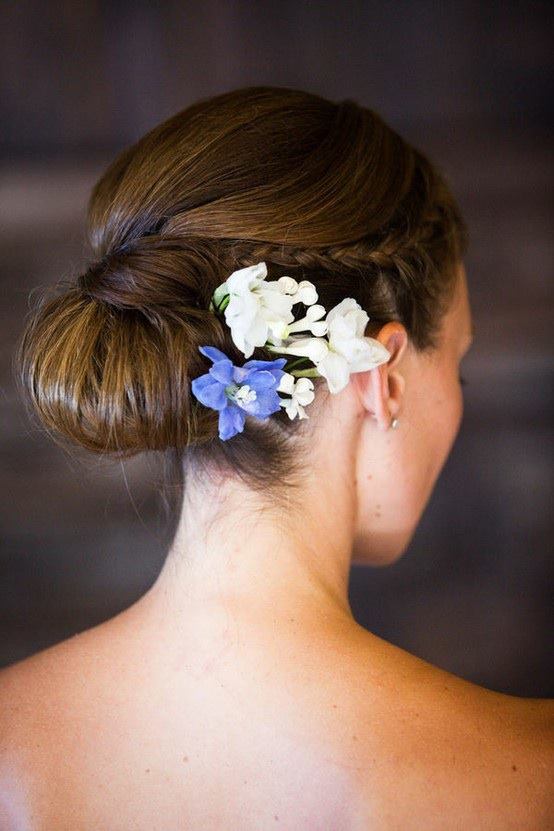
318	190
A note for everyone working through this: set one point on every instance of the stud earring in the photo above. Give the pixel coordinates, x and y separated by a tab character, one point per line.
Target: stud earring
394	423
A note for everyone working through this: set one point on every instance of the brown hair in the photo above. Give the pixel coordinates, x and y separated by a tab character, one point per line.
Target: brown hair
319	190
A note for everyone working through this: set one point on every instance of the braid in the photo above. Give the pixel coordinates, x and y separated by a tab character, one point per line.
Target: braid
359	255
217	258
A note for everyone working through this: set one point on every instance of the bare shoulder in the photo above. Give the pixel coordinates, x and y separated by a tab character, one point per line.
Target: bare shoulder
39	697
425	748
441	752
32	687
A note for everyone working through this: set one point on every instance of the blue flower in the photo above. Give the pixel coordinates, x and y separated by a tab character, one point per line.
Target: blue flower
238	391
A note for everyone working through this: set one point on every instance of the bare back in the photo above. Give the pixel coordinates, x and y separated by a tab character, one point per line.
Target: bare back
335	729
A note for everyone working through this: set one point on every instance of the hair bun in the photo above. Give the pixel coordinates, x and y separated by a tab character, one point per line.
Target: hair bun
108	362
153	272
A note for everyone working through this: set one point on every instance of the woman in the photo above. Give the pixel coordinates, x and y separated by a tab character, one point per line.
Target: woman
239	692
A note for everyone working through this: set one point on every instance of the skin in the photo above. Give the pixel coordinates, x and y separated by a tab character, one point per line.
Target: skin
240	692
377	480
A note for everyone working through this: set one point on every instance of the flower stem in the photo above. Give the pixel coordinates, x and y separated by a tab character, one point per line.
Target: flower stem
306	373
271	347
296	362
219	305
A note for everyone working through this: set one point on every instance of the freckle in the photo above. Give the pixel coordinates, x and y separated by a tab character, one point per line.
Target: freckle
275	816
185	758
147	770
370	476
514	767
335	706
355	737
377	513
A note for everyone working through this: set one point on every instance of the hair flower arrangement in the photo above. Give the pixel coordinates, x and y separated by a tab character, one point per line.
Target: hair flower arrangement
259	313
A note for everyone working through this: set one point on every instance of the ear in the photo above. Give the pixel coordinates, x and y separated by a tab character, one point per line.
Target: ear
381	389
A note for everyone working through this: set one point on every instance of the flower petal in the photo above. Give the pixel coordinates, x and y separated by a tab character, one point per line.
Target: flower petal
306	293
275	304
347	304
231	422
287	285
371	353
245	374
222	371
243	279
304	392
209	392
265	403
286	384
241	314
213	353
260	379
334	368
290	407
278	363
313	348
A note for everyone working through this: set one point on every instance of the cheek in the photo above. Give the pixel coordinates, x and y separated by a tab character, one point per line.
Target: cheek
447	417
456	403
435	413
433	419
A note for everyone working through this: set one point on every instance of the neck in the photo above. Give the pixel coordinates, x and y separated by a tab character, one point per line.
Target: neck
230	548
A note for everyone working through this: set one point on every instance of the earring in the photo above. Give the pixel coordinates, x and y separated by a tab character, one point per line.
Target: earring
394	423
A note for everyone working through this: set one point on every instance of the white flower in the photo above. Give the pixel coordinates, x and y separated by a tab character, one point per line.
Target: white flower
260	309
301	393
345	349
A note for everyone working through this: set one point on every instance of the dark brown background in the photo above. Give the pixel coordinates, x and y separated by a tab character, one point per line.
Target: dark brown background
468	82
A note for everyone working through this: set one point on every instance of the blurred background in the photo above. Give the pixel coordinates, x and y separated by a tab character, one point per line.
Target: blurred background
469	83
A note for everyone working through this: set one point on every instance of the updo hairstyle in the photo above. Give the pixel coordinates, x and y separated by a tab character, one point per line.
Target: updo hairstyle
319	190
